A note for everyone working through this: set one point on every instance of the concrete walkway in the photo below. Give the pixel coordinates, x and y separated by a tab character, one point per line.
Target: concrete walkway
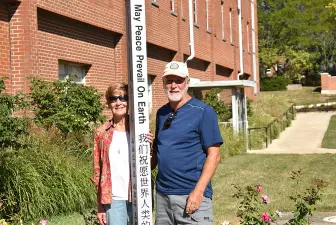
304	136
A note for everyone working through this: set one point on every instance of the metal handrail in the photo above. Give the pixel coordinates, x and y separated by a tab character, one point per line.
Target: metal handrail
268	127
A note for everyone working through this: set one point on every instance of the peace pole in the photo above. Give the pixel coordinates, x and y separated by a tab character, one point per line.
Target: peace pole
139	114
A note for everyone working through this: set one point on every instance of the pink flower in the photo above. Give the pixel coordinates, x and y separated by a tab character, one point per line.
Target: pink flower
265	199
265	217
44	222
259	188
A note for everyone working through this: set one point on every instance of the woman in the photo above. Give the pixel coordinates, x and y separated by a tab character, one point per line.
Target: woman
111	161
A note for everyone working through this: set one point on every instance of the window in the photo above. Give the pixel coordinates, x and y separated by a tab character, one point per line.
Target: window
75	70
172	6
222	14
207	13
155	3
195	11
230	17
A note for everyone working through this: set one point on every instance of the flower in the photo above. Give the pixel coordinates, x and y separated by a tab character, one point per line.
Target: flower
278	213
44	222
259	188
265	199
265	217
225	223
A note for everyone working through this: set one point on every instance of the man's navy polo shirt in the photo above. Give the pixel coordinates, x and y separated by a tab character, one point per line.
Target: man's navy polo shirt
182	147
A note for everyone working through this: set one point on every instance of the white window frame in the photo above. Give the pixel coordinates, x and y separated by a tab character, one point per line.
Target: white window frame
172	9
67	68
195	11
222	14
230	16
207	14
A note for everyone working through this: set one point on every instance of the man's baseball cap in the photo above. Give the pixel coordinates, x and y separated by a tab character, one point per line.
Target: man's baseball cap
176	68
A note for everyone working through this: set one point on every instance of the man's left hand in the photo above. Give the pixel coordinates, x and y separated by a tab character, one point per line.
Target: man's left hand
194	201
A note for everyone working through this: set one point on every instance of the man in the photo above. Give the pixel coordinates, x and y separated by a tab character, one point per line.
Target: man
187	141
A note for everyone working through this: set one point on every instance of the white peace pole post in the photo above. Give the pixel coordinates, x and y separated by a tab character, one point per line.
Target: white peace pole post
139	114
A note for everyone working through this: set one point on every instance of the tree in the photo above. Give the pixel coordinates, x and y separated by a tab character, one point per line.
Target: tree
295	28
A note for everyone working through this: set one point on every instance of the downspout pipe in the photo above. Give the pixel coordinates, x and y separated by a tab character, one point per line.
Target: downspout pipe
254	56
241	62
191	31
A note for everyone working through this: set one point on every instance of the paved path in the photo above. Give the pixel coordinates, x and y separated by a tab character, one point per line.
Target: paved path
304	136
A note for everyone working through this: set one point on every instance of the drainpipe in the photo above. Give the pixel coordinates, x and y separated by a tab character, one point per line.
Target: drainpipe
254	56
240	41
191	31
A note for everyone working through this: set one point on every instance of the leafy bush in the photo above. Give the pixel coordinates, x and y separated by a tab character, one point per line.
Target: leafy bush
254	210
11	127
90	217
43	179
277	83
234	144
223	111
66	105
321	108
304	201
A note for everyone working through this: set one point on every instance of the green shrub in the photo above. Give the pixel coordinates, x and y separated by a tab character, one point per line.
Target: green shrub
223	111
257	139
277	83
44	179
66	105
234	144
11	128
90	217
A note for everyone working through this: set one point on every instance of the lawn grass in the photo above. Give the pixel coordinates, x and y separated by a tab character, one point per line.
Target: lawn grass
74	219
272	172
329	139
304	96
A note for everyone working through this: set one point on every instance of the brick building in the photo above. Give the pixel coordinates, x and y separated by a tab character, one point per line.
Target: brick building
51	38
328	84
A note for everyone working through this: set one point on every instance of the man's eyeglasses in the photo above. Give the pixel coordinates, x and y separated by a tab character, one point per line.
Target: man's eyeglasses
122	98
169	120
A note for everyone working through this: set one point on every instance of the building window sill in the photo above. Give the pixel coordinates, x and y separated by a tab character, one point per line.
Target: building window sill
156	4
173	13
209	31
196	25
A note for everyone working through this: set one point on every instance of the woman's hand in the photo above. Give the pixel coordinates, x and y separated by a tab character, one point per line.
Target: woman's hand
101	218
149	138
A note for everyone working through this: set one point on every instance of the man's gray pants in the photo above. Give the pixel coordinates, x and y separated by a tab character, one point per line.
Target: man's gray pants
171	210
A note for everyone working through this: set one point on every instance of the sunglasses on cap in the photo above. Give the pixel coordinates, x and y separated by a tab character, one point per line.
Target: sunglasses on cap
169	120
122	98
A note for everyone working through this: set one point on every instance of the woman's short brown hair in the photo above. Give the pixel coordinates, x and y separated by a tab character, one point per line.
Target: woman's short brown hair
112	89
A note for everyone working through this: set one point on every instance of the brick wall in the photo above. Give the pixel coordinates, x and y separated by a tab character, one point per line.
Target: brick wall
328	84
40	33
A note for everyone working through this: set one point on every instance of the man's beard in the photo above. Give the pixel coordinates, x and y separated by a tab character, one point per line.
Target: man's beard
176	97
